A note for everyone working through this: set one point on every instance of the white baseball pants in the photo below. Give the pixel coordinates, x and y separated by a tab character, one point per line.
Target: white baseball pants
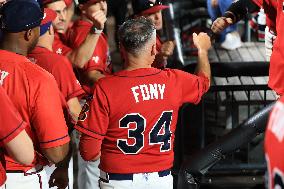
139	181
32	179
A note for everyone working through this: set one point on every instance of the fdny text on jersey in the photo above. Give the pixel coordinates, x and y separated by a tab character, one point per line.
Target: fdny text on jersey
148	92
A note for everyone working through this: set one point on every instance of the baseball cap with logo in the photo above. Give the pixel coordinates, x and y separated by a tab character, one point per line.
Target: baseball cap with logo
48	16
20	15
143	7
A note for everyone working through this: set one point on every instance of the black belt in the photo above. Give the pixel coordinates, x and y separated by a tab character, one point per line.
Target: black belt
129	176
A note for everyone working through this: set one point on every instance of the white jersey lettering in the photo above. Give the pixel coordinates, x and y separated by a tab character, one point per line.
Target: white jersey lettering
147	92
3	75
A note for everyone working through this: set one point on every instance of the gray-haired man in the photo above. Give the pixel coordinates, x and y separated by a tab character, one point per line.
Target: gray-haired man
131	121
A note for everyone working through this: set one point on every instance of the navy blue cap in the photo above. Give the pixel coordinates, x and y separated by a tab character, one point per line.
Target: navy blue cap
21	15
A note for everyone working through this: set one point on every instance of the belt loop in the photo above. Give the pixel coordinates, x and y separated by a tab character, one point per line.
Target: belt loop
35	171
104	176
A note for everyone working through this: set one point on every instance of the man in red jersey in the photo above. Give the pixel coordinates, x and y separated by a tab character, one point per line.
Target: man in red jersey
99	65
132	119
274	11
13	136
60	67
78	56
34	93
152	9
274	146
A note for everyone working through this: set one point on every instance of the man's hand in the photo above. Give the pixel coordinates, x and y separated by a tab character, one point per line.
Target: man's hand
220	24
99	19
59	178
167	49
202	41
2	2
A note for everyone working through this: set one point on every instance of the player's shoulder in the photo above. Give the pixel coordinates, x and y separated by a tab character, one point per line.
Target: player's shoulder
10	57
20	63
58	60
35	73
106	81
175	72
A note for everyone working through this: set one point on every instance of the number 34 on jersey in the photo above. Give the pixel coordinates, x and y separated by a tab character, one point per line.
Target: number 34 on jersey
160	133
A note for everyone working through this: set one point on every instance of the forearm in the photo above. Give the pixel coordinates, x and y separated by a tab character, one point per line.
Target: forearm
79	56
74	108
239	9
203	65
56	154
65	162
94	76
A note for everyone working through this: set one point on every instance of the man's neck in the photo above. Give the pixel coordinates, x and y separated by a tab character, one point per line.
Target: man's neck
45	43
136	63
13	46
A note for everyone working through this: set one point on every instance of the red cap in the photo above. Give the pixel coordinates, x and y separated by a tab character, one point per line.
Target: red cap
67	2
49	16
154	9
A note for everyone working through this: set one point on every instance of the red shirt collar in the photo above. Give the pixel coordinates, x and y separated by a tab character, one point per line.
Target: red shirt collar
141	72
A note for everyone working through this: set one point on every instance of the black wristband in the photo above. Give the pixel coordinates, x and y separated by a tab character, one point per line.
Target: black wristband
239	9
229	14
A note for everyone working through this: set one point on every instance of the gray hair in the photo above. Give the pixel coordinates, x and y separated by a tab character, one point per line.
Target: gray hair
134	34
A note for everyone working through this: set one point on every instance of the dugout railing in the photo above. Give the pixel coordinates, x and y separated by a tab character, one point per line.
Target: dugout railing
223	108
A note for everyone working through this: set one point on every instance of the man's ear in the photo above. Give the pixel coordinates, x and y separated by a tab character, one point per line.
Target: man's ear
28	35
153	50
51	30
122	50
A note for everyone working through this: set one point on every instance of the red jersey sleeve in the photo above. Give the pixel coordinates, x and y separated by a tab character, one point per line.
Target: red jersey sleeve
10	120
94	118
99	60
192	86
66	80
48	119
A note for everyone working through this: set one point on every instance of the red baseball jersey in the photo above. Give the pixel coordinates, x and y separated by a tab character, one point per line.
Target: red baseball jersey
270	9
59	46
60	67
276	71
100	60
134	114
11	125
274	146
36	96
